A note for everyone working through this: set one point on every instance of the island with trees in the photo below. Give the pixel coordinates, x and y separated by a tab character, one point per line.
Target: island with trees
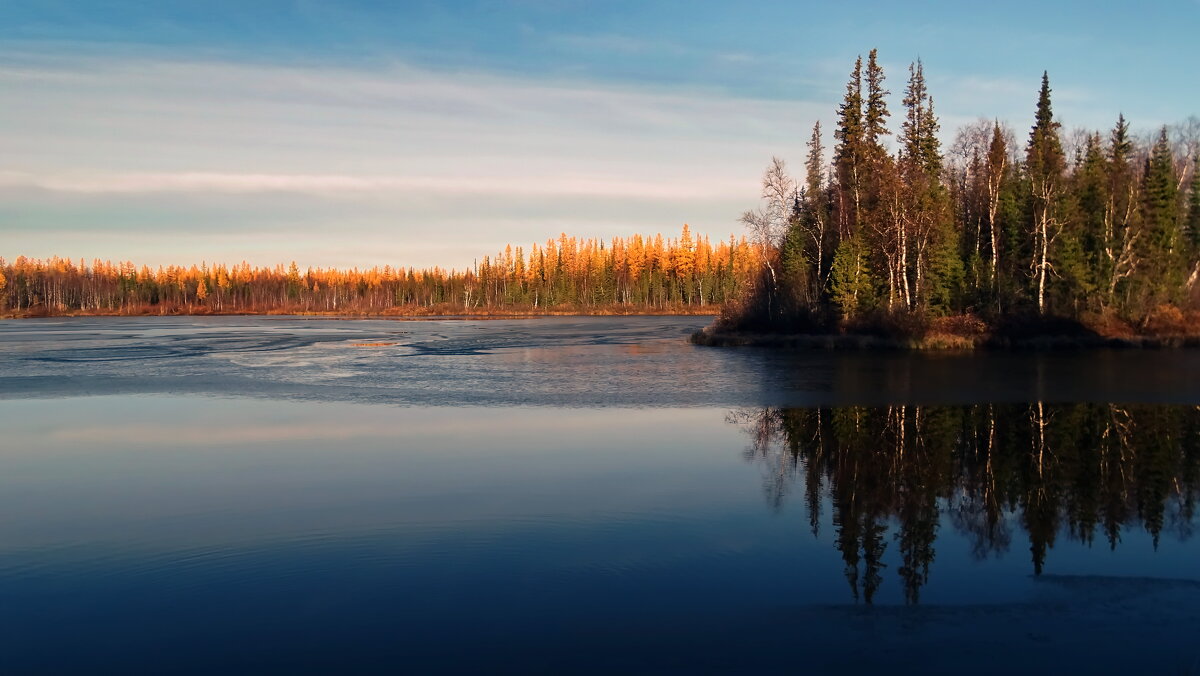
1081	237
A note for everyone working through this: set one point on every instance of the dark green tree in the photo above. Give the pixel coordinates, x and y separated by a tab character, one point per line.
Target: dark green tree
1161	277
937	270
875	113
816	205
919	142
1045	165
1193	215
848	154
1083	261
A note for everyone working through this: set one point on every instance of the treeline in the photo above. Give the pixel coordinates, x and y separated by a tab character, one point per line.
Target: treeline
898	474
635	274
1099	226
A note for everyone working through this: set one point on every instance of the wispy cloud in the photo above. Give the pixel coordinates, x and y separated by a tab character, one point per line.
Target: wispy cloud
109	145
233	118
332	184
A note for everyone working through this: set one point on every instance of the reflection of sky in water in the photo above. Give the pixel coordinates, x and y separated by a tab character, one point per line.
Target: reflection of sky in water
556	494
184	527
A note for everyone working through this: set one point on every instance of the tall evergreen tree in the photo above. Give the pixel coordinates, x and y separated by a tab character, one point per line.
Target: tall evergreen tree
1162	276
1122	217
848	154
1045	164
918	133
936	268
875	113
816	206
814	166
996	169
1089	271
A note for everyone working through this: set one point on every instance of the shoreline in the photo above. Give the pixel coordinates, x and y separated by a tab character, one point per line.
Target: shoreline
707	337
434	315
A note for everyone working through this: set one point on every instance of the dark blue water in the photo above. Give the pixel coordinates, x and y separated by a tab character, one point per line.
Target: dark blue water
584	495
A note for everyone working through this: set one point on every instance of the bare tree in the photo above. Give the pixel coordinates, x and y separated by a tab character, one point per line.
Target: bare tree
769	222
1185	148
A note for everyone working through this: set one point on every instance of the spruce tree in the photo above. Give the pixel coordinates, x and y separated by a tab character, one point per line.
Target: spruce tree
1159	191
1045	164
793	261
850	279
935	268
878	178
1122	218
848	154
1162	278
814	165
997	169
815	216
1120	145
918	133
1091	201
876	113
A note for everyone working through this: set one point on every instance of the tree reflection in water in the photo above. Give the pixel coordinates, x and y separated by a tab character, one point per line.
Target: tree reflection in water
1050	469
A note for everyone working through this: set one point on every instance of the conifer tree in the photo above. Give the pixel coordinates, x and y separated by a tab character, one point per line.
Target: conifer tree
1089	270
1045	164
815	213
1122	217
794	260
1162	275
918	133
935	265
848	154
875	113
876	159
850	277
996	168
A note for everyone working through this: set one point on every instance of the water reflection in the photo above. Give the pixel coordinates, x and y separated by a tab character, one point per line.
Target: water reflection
1082	471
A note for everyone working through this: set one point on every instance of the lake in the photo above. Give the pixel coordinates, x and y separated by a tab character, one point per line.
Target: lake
585	495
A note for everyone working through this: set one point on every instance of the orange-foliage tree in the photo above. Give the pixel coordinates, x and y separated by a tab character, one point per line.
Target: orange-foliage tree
566	273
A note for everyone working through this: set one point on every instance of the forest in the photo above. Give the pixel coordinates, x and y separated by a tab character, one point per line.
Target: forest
1089	472
1084	230
636	274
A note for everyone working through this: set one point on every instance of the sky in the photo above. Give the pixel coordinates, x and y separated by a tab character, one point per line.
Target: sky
353	133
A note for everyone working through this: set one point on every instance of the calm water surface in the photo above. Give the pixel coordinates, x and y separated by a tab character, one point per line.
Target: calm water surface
584	495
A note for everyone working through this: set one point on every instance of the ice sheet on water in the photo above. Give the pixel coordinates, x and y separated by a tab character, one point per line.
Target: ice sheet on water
557	361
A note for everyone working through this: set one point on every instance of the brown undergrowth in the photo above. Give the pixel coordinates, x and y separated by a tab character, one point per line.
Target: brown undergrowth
1165	326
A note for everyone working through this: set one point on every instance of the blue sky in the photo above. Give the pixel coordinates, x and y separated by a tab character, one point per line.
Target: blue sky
422	133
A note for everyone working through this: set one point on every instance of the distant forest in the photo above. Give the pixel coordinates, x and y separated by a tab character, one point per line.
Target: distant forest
1089	228
626	275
